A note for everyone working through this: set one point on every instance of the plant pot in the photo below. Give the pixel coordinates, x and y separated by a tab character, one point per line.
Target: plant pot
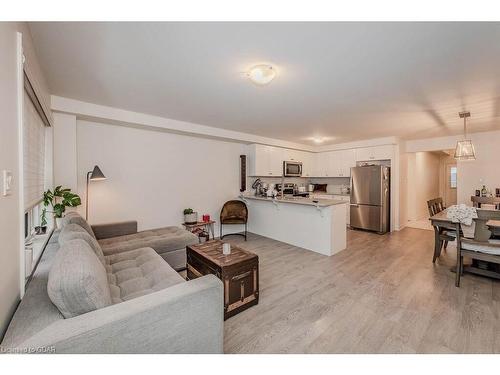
59	222
191	218
41	230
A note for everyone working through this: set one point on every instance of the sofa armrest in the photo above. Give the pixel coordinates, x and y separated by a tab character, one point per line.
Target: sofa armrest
123	228
185	318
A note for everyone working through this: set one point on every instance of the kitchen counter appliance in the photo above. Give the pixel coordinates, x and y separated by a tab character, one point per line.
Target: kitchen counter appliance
370	198
288	190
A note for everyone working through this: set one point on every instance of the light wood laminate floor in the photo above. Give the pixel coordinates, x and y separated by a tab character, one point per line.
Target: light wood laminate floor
382	294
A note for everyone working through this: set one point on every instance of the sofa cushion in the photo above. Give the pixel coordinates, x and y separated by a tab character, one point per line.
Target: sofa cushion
66	217
75	218
162	240
77	280
138	272
74	231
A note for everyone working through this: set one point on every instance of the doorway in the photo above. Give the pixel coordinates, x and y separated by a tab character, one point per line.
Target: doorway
431	174
450	184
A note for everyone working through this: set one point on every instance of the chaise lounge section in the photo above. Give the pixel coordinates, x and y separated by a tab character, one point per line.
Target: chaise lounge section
83	299
169	242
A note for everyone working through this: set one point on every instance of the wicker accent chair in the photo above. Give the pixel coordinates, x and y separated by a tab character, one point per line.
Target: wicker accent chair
234	212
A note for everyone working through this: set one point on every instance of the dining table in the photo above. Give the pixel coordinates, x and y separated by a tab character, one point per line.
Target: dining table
441	223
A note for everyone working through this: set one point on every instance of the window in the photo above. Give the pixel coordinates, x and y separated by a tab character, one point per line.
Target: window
35	125
453	177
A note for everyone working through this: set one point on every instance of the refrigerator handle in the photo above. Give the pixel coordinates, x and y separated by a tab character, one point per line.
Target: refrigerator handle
351	185
354	205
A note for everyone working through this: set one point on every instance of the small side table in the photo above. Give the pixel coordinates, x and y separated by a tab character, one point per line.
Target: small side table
208	226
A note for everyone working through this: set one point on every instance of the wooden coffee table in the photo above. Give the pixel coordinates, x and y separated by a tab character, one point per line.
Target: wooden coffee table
239	271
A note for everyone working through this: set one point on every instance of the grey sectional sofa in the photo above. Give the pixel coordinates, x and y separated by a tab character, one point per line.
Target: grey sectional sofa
91	296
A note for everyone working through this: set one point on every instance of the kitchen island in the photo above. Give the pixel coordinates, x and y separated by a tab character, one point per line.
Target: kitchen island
318	226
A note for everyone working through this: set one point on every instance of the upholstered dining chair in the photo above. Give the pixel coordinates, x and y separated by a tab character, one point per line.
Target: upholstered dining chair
234	212
482	247
435	206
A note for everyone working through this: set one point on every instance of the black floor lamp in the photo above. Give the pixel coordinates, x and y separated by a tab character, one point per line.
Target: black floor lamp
94	175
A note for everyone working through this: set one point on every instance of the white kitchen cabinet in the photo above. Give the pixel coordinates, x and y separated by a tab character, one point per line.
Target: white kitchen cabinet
307	164
384	152
315	168
336	163
276	161
265	161
325	164
345	198
348	158
292	155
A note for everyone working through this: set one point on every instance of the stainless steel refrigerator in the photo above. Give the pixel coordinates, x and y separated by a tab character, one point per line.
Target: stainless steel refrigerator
370	198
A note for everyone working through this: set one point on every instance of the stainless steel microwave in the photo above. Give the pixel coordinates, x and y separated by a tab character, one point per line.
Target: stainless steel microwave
292	169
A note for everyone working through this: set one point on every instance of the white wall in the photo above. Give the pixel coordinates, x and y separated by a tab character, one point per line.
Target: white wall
9	149
471	175
485	170
10	206
153	176
404	181
423	183
65	154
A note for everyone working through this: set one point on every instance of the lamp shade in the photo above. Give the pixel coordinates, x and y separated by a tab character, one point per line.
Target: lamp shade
465	150
97	174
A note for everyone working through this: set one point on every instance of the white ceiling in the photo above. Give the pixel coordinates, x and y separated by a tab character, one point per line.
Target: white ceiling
344	81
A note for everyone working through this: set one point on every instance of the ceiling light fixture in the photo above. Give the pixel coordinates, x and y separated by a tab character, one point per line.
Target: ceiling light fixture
318	140
261	74
465	149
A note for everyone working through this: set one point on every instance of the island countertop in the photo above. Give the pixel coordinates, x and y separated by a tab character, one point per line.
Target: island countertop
298	221
297	200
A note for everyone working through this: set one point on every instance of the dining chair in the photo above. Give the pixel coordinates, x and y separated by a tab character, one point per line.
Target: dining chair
234	212
435	206
481	247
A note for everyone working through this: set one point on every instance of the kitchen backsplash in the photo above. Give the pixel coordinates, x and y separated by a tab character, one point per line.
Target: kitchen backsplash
334	184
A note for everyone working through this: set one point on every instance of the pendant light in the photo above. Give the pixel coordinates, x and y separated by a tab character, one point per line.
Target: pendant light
465	149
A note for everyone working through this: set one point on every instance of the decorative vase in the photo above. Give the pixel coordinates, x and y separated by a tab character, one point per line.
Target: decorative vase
191	218
59	222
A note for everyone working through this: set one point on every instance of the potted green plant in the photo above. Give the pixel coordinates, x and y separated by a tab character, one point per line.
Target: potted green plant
59	199
190	217
42	228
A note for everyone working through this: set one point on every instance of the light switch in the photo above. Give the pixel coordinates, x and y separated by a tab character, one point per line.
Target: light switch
7	182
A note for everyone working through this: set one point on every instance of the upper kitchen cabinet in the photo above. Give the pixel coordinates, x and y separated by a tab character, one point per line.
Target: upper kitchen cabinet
307	159
322	164
334	163
265	161
375	153
293	155
276	161
347	160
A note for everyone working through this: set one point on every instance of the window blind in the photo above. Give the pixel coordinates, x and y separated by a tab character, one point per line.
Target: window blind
33	154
